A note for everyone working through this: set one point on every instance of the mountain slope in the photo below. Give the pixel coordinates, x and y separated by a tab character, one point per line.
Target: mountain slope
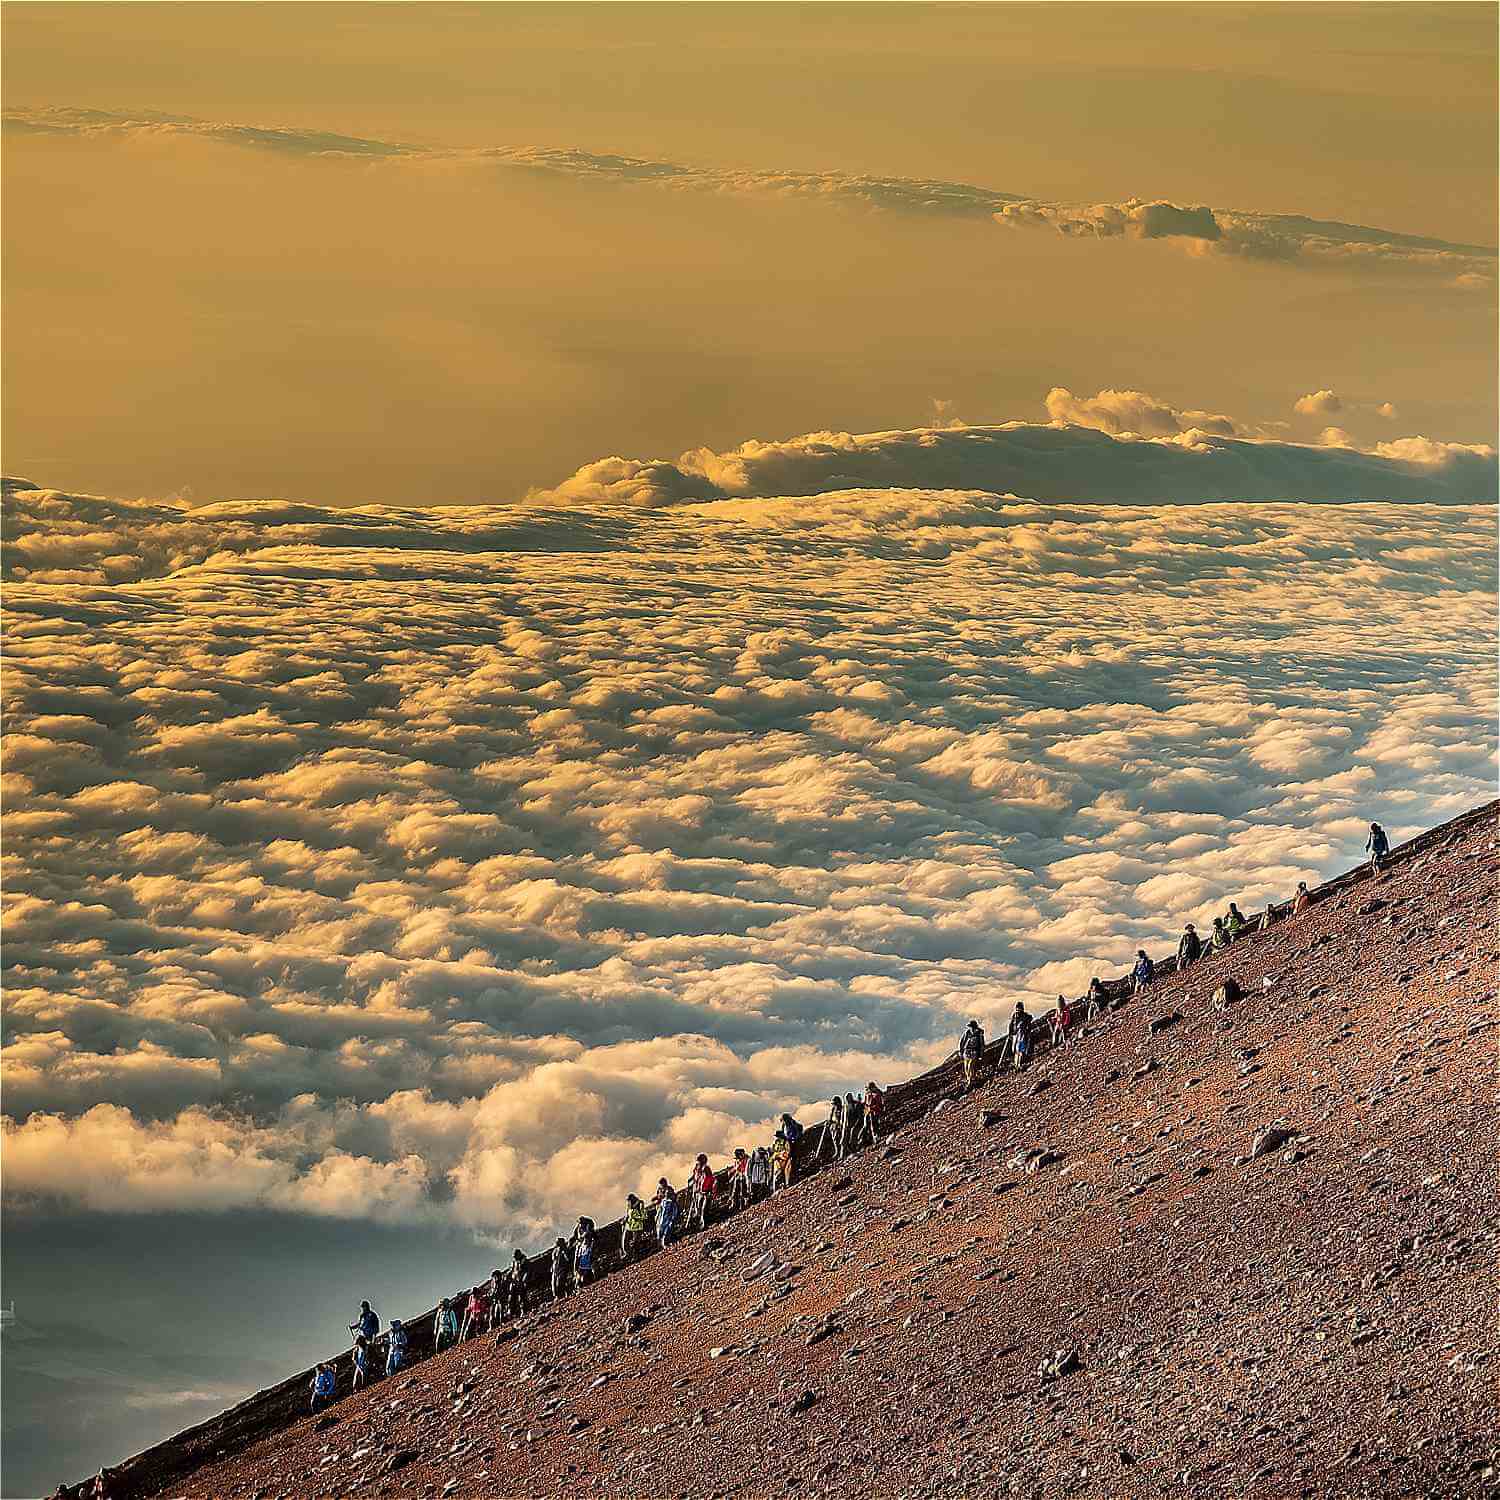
1314	1321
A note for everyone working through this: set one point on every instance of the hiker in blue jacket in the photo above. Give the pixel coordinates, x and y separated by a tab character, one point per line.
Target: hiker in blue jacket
1143	972
1378	846
323	1387
396	1341
367	1323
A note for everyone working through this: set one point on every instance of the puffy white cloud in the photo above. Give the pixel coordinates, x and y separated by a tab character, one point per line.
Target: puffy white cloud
395	863
1323	403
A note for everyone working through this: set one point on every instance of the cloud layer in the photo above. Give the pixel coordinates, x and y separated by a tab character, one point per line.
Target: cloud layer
397	863
1237	235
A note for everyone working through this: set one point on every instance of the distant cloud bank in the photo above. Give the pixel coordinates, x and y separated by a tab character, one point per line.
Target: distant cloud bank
1233	234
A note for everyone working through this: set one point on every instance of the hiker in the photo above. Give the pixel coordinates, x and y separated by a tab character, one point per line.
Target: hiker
444	1325
516	1304
740	1181
854	1119
1062	1019
1219	938
561	1266
395	1356
367	1323
759	1174
323	1386
583	1252
476	1312
781	1161
1098	1000
1189	947
1302	900
666	1213
495	1295
874	1108
971	1050
702	1184
1267	917
633	1237
1020	1034
1144	972
361	1361
831	1143
1378	845
1234	922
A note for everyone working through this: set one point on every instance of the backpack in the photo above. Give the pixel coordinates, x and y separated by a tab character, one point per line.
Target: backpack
793	1131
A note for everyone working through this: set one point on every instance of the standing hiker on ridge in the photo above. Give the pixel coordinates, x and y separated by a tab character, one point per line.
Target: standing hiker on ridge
1143	972
1378	846
1189	947
367	1323
873	1110
831	1142
971	1050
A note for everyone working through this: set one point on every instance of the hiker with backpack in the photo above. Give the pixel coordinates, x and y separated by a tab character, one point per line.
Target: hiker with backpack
1219	938
560	1268
361	1361
1062	1020
1234	921
367	1323
323	1387
1378	846
516	1303
666	1213
1302	900
874	1108
1189	947
583	1252
633	1237
1143	974
854	1119
781	1161
831	1142
476	1314
739	1179
1020	1035
444	1325
702	1184
759	1174
396	1341
971	1051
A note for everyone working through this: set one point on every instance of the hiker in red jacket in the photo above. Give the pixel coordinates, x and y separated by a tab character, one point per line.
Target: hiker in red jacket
702	1184
869	1129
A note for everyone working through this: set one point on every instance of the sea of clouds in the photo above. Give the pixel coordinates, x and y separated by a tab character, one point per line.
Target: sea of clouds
484	863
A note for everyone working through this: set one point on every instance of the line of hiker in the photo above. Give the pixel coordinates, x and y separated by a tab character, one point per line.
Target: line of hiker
854	1121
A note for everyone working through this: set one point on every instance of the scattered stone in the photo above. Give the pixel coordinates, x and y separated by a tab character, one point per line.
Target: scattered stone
1162	1023
1059	1363
804	1402
400	1459
1270	1138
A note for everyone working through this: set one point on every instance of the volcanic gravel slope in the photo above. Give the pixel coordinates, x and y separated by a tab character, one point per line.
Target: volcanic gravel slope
1316	1321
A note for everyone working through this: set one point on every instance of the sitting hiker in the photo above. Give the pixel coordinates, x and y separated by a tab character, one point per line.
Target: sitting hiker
702	1184
1219	938
831	1143
1267	917
873	1110
444	1325
1228	993
361	1361
1020	1034
1189	947
516	1304
1378	846
583	1251
1143	973
560	1265
1062	1019
637	1217
323	1386
854	1119
1302	900
781	1162
367	1323
476	1313
1234	922
395	1356
760	1174
971	1050
666	1213
740	1181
